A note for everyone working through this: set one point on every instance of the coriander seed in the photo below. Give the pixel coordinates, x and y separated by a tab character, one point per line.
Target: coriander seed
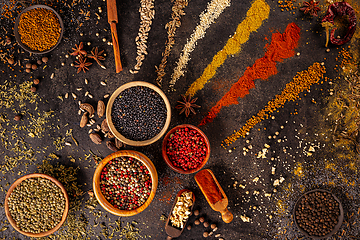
45	59
206	224
196	212
17	117
197	222
202	219
213	226
36	81
205	234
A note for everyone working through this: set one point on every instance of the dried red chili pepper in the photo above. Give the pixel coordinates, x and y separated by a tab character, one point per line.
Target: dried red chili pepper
340	9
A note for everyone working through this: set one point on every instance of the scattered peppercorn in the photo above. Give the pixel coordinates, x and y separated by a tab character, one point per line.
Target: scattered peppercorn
36	81
45	59
33	89
213	226
28	65
197	222
188	227
196	212
28	70
206	224
34	67
202	219
205	234
39	62
139	113
17	117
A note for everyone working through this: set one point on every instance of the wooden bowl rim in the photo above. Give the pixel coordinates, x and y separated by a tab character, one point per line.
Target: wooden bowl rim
37	175
166	158
340	218
119	135
17	35
96	182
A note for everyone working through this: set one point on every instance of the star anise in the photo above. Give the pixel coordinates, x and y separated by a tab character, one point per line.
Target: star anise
78	50
311	7
187	105
82	64
96	55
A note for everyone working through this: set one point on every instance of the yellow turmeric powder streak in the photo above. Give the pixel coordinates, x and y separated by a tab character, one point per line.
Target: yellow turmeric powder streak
258	12
301	82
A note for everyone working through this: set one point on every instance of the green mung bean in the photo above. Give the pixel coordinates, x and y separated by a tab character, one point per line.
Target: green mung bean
36	205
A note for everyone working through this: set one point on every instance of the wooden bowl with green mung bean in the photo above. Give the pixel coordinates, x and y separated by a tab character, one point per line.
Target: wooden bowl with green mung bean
36	205
38	29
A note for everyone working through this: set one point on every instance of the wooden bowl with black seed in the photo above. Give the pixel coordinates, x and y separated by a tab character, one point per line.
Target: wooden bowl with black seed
111	122
100	196
12	221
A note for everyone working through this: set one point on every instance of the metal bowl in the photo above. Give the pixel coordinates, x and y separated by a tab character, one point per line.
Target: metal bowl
116	133
36	175
17	35
101	198
337	226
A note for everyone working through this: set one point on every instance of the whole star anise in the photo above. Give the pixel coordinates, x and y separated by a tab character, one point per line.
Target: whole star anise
96	55
311	7
82	64
78	50
187	105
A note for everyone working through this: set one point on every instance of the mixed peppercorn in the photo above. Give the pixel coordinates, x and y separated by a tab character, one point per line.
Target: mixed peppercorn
186	148
125	183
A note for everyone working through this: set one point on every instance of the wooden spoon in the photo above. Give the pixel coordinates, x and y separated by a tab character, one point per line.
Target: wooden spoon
209	185
171	230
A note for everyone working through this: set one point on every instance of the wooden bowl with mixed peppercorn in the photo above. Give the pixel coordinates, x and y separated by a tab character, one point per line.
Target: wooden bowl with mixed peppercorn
125	183
138	113
36	205
186	149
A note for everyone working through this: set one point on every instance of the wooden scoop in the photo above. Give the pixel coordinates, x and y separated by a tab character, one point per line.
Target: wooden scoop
214	194
171	230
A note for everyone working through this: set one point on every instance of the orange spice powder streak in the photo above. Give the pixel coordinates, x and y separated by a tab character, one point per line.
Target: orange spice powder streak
282	46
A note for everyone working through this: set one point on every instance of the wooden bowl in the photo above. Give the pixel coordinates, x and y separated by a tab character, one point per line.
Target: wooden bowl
96	182
166	158
120	136
36	175
17	35
337	226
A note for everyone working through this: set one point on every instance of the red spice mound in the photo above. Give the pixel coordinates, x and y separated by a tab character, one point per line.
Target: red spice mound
186	148
282	46
209	186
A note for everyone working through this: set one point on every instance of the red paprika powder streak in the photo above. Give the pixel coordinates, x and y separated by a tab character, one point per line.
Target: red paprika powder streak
282	46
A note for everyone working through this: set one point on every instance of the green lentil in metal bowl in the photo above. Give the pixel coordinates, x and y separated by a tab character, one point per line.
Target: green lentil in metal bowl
36	205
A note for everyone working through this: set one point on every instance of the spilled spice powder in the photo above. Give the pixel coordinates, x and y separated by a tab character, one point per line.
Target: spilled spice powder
301	82
258	12
282	46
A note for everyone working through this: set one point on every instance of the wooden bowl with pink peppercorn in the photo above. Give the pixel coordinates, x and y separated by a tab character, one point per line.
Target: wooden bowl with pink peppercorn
186	149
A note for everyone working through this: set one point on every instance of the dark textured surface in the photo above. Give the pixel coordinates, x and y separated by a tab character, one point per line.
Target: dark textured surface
298	123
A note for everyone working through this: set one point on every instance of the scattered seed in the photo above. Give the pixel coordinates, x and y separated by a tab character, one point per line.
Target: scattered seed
66	95
90	96
78	89
106	96
67	143
86	81
36	81
52	76
103	83
73	95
